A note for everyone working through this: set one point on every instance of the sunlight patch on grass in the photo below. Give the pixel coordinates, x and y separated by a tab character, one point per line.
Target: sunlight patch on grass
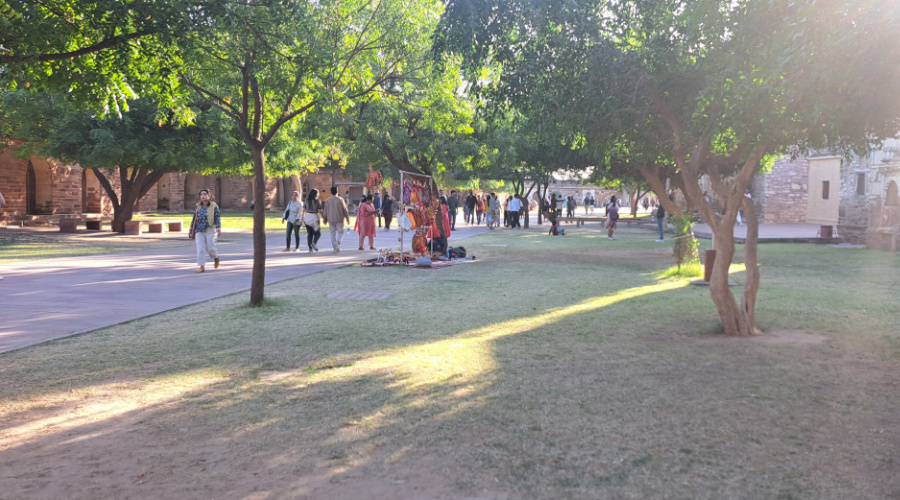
102	402
452	370
689	270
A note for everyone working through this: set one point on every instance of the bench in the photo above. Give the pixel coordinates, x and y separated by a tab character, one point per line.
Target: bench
70	224
160	225
638	222
579	221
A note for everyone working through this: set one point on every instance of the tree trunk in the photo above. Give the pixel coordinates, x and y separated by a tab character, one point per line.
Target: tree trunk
258	277
751	280
135	184
526	204
734	321
121	216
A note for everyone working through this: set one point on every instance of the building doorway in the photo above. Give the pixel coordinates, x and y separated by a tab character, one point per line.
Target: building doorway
38	189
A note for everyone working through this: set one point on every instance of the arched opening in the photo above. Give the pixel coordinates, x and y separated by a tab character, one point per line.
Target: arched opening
91	192
30	181
892	196
38	189
219	195
164	193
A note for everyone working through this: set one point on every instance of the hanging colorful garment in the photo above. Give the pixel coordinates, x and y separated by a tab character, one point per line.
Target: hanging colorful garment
407	192
412	217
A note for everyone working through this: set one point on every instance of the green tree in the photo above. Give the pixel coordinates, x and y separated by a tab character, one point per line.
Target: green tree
140	147
101	53
721	84
266	65
421	123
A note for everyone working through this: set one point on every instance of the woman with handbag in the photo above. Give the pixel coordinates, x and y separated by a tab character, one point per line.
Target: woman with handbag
365	222
292	216
311	211
206	226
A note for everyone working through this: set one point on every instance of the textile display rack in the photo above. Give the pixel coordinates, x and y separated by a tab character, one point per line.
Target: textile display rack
416	195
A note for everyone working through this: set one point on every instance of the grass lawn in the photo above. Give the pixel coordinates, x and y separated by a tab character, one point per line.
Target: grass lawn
23	245
549	368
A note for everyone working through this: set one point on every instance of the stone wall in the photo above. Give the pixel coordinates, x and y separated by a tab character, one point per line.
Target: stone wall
855	208
786	189
12	182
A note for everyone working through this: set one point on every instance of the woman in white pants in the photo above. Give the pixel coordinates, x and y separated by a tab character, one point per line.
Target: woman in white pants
205	229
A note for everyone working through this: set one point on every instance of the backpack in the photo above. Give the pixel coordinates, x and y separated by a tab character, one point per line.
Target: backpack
456	252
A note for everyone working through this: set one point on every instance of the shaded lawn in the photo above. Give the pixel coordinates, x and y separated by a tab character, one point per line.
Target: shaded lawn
551	368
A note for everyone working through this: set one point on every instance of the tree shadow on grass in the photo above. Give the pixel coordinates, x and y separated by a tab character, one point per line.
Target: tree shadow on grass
566	393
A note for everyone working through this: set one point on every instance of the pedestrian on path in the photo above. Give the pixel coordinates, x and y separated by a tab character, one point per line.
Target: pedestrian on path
206	226
376	202
479	209
494	205
311	213
335	214
612	217
470	208
661	221
387	210
365	223
514	206
292	216
453	206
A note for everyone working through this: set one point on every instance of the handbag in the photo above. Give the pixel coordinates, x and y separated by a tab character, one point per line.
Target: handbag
311	220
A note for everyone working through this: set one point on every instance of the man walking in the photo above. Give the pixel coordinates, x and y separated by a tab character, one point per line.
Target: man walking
376	200
452	207
335	214
661	220
514	206
470	208
494	205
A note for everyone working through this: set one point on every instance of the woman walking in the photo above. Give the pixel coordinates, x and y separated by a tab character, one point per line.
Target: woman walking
387	210
311	219
205	229
292	215
612	216
365	222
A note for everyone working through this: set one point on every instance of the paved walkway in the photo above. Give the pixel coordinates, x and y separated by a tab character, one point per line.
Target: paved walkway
54	298
769	232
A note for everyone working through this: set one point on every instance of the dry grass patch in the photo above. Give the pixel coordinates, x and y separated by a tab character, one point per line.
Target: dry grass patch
552	368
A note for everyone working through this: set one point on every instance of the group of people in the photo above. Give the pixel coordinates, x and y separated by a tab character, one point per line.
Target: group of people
486	207
311	214
334	212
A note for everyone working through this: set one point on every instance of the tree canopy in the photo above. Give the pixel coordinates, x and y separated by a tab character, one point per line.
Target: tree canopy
100	53
715	86
141	145
266	65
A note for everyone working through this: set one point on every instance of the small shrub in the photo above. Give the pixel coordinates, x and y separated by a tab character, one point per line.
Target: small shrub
687	247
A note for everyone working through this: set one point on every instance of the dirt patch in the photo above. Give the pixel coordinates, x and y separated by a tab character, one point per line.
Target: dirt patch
775	337
791	337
